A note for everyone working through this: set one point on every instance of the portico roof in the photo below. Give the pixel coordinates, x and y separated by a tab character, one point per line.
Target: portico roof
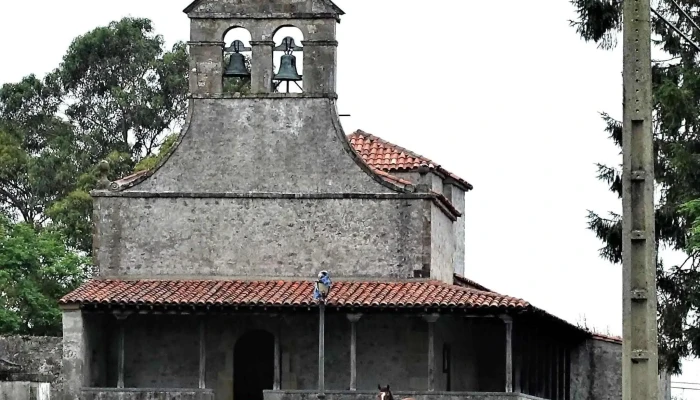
411	294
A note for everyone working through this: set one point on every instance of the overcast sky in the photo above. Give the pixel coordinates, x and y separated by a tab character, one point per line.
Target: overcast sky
503	94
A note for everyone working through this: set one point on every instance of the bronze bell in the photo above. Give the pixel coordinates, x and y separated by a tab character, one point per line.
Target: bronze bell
236	67
288	69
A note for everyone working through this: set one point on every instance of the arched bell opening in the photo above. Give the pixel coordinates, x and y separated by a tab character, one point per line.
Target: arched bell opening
237	54
288	60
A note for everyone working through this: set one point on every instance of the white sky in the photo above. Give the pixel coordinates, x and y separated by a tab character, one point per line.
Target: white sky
504	94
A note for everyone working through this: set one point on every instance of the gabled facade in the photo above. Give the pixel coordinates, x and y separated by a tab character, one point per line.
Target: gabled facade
206	263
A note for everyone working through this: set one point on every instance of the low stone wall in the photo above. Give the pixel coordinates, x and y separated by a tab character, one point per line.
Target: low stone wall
32	367
25	391
38	357
596	372
372	395
146	394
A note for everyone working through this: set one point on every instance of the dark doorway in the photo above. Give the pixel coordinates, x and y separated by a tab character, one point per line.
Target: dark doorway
253	365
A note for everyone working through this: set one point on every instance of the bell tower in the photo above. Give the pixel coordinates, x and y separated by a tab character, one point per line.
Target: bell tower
212	19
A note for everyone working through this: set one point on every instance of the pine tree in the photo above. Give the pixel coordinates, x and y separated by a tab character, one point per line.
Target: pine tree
676	125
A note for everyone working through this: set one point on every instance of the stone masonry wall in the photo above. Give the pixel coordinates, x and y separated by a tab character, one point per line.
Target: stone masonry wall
263	145
456	196
458	199
267	187
442	245
40	359
596	372
37	355
258	237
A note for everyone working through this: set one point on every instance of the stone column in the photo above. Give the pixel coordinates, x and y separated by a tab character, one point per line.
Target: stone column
320	61
431	319
74	368
508	322
202	353
206	68
518	360
353	318
567	373
261	66
277	382
121	318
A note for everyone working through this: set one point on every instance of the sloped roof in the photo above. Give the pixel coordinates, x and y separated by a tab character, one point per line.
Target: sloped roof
294	293
607	338
388	157
459	280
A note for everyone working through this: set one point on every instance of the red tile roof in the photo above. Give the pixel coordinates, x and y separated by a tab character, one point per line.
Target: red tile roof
276	293
607	338
459	280
388	157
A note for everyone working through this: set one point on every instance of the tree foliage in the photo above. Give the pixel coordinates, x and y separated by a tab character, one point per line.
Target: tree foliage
117	94
676	128
37	150
125	90
37	270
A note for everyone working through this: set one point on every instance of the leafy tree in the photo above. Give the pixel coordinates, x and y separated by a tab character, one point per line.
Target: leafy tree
37	270
117	95
676	127
152	161
72	214
125	90
37	149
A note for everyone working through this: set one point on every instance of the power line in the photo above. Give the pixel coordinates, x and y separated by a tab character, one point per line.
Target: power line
686	383
684	388
685	14
667	22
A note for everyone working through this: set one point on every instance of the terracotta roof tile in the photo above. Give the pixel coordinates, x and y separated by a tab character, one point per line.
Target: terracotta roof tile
388	157
606	338
460	280
406	294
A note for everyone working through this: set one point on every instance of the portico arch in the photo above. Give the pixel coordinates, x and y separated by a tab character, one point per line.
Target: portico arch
253	365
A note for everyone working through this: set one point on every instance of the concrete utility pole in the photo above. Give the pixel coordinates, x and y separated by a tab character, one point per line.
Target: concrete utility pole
640	348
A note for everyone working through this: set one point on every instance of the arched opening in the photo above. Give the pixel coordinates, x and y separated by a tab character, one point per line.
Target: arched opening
236	68
253	365
288	60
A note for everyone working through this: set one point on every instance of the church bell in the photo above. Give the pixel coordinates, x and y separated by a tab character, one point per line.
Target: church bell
236	67
288	69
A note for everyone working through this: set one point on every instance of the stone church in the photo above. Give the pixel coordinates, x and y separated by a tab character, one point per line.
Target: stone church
206	264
